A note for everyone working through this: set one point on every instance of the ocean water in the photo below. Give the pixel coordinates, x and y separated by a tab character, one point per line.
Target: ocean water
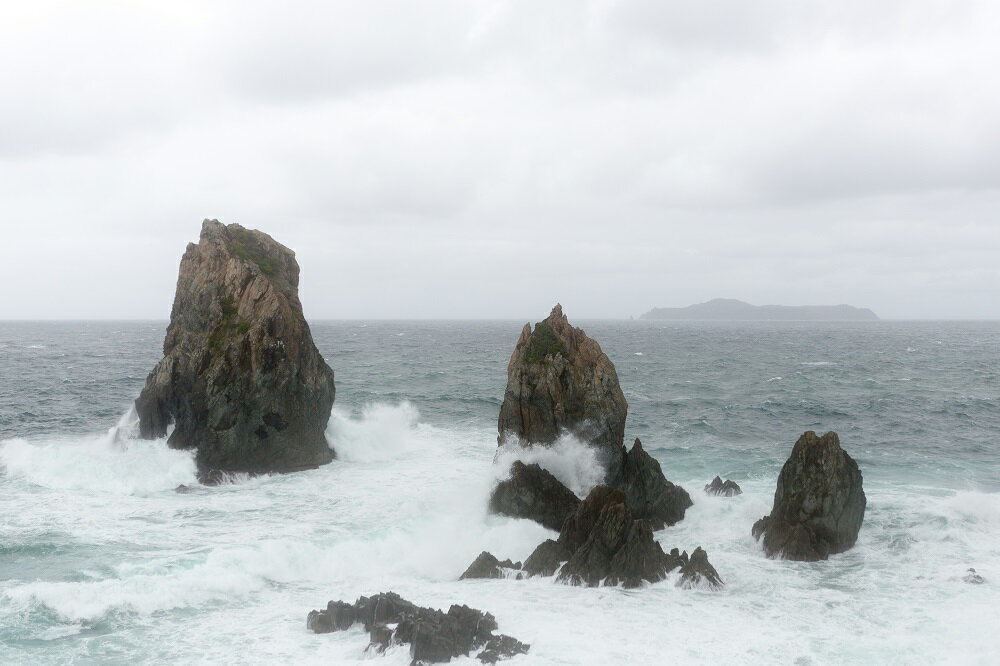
101	561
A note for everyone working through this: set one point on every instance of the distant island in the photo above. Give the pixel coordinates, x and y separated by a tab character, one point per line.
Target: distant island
730	309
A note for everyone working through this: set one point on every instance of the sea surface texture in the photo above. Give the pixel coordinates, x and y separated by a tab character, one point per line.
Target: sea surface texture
101	561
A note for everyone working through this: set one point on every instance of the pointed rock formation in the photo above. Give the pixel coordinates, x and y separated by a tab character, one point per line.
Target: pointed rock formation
532	492
488	566
648	494
722	488
819	503
240	379
558	379
698	572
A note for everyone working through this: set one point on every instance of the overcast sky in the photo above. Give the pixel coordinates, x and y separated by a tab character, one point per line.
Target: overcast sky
487	159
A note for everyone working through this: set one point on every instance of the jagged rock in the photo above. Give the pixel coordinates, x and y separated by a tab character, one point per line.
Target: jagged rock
725	488
546	558
558	379
240	377
616	549
532	492
488	566
578	526
433	636
819	502
501	647
648	494
972	577
697	571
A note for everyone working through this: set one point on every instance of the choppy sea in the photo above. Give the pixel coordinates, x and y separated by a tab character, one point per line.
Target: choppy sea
101	561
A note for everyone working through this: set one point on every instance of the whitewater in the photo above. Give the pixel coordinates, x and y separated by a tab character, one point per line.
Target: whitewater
102	561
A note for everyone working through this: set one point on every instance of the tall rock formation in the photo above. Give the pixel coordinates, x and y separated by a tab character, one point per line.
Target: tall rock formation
240	378
558	379
819	503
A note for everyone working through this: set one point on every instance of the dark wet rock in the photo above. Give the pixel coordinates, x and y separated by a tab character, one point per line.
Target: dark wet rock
433	635
501	647
338	616
648	493
972	577
240	378
183	489
819	503
616	549
558	379
578	526
725	488
532	492
488	566
698	572
546	558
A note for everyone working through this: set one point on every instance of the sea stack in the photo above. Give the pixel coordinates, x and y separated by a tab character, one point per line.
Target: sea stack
240	378
559	380
819	503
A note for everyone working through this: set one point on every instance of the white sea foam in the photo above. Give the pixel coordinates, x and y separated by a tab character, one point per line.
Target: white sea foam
571	461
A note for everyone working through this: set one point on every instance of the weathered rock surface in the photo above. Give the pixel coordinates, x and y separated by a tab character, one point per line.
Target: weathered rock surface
488	566
648	494
558	379
617	549
532	492
698	572
819	502
240	378
433	636
546	559
722	488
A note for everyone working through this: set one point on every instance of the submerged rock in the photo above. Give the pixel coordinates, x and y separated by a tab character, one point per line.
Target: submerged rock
532	492
819	502
972	577
725	488
488	566
240	378
433	635
648	494
558	379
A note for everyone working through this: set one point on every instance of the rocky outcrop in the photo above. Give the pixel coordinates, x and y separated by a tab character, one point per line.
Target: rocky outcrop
602	544
972	577
648	494
488	566
433	636
819	503
240	378
559	380
546	559
698	572
722	488
532	492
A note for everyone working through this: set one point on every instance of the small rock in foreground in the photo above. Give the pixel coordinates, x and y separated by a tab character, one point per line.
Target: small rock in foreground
722	488
698	572
433	635
972	577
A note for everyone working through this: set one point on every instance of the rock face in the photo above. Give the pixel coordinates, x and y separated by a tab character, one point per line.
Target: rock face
648	494
433	636
558	379
819	503
722	488
532	492
240	377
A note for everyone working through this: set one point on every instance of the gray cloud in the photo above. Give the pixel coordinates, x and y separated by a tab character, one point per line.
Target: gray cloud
454	159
